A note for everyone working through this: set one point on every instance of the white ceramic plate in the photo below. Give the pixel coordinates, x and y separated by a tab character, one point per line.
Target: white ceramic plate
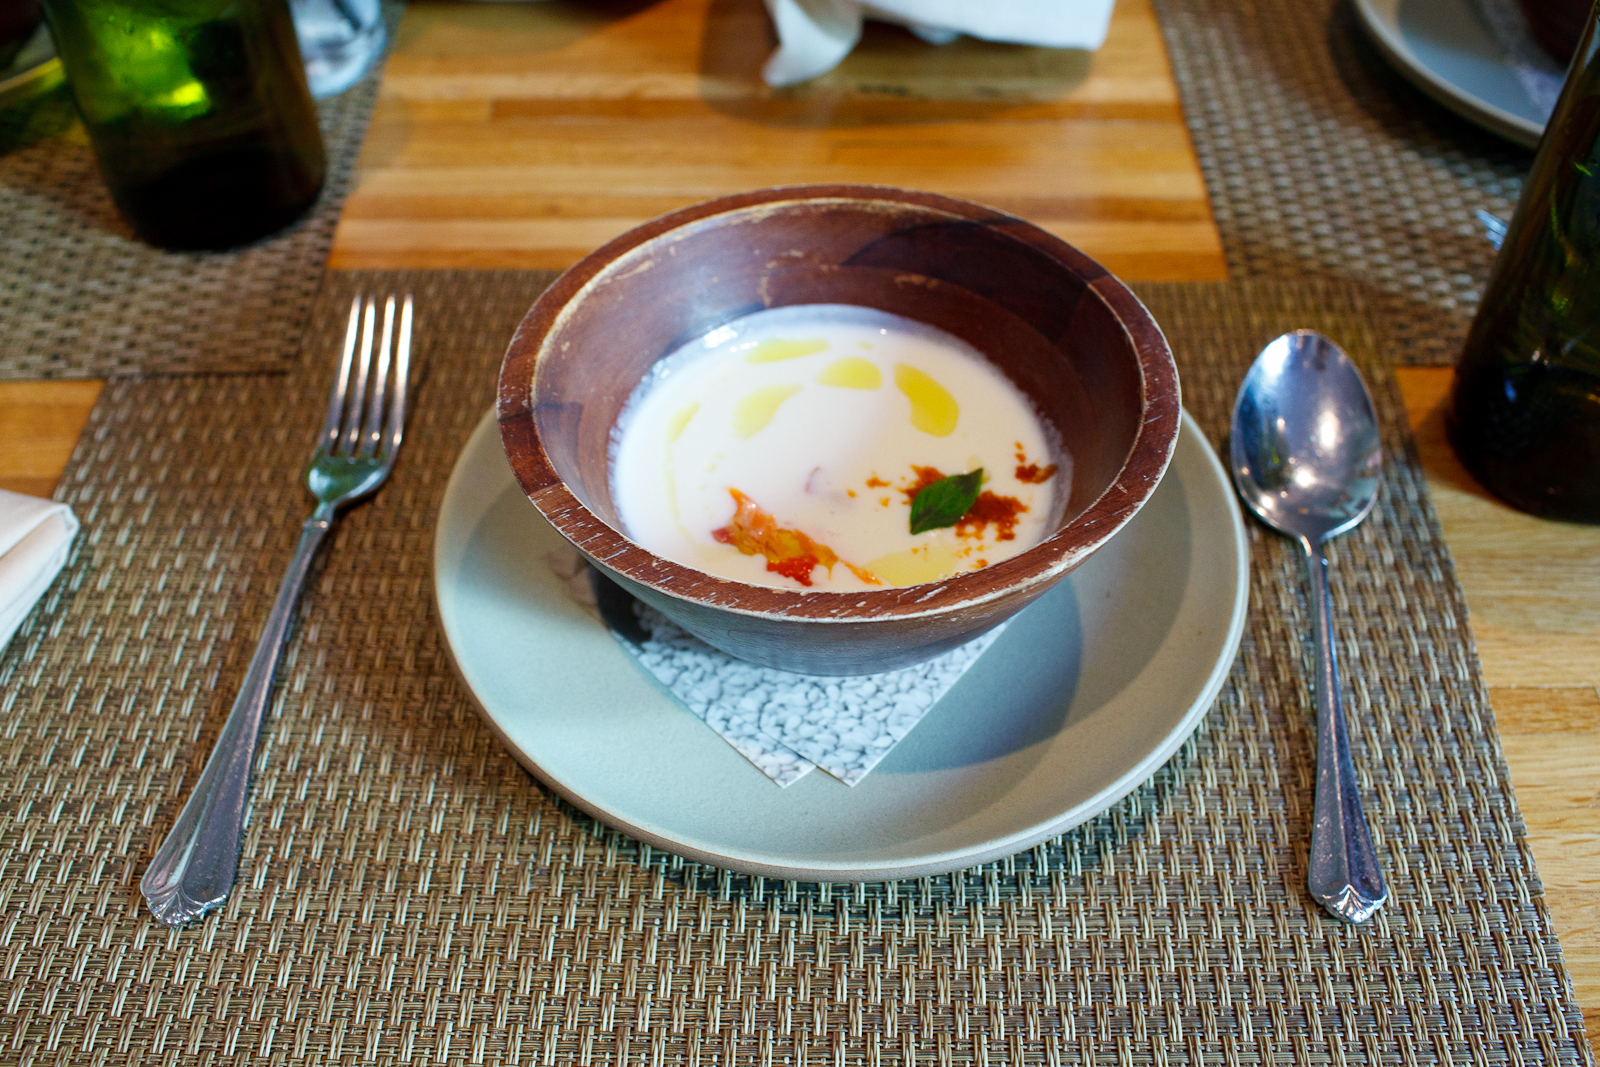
1085	695
1445	49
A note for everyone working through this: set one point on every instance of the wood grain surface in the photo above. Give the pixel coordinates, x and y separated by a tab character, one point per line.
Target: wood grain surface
39	425
525	135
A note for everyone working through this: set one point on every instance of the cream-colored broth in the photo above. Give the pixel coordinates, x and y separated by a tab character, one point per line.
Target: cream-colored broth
820	415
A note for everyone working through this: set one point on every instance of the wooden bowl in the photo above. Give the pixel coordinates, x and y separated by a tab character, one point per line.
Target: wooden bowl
1066	332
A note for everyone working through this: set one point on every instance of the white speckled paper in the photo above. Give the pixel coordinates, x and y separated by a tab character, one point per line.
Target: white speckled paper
780	720
727	693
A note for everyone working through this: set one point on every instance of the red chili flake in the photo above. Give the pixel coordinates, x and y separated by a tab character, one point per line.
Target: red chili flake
926	476
989	508
789	552
796	567
1033	474
1002	511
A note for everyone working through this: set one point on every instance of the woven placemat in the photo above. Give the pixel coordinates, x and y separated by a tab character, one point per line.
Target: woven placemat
81	297
1320	159
408	895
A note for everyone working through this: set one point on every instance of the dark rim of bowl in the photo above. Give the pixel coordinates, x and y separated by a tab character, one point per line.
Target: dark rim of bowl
1055	555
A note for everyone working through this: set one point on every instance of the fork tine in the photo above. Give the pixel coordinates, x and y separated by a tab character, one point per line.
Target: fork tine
341	383
358	393
380	375
402	373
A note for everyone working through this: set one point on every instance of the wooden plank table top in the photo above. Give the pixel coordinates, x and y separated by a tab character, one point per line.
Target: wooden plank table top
525	135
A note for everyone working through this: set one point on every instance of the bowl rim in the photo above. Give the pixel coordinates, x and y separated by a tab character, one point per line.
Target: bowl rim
1031	570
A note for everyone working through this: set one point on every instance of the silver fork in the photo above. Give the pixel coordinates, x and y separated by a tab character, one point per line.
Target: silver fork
196	865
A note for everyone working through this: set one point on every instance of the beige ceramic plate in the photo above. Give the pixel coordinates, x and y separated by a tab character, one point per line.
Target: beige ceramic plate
1082	698
1444	48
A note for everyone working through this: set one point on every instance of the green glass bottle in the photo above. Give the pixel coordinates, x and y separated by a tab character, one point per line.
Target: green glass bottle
1524	412
198	111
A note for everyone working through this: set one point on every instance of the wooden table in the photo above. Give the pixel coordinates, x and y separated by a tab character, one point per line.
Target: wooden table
524	135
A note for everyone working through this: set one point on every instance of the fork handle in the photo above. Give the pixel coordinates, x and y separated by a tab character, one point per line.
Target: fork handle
195	866
1343	873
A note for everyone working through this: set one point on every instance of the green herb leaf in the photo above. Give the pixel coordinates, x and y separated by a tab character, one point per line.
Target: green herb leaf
945	501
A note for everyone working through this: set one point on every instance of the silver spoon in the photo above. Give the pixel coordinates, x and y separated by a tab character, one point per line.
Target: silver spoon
1306	459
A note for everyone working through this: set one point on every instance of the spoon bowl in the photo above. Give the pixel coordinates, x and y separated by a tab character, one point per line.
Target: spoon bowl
1304	446
1307	460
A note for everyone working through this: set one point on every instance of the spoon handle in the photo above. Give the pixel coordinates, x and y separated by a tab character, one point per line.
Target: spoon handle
1343	874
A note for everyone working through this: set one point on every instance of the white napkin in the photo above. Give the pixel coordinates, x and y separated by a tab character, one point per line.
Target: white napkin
35	535
815	35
